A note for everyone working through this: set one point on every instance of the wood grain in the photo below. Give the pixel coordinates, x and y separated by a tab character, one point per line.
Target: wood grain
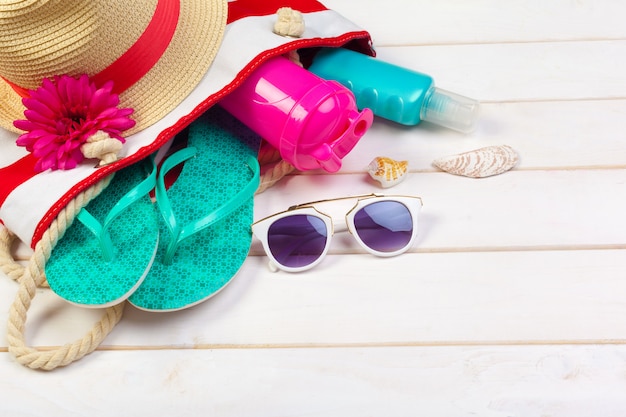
510	304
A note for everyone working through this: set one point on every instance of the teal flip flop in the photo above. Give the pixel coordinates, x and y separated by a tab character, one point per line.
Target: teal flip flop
207	214
107	251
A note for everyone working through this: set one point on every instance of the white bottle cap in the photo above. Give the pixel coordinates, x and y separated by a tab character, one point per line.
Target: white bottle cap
450	110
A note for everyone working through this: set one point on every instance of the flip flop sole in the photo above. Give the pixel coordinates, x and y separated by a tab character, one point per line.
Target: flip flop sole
208	260
76	270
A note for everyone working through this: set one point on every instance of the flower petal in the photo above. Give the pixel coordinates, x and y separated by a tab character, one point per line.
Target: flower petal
50	98
38	119
40	107
63	113
101	101
26	125
119	123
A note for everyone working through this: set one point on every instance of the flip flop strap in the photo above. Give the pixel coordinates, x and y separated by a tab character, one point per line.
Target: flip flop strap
180	232
101	230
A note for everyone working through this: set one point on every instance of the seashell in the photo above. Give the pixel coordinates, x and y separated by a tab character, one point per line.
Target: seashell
388	172
479	163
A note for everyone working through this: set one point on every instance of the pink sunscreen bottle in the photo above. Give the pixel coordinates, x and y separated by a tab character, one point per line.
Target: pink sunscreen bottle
313	122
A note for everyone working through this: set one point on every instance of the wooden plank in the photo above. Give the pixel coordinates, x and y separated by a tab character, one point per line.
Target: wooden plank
521	72
491	381
524	297
530	209
422	22
546	135
440	298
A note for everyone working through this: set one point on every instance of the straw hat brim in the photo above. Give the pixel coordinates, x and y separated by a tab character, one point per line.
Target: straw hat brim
189	55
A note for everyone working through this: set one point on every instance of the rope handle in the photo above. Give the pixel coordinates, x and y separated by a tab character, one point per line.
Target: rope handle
275	167
32	276
48	360
8	265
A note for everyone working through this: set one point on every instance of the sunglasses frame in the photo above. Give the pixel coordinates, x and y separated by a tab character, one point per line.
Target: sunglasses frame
261	227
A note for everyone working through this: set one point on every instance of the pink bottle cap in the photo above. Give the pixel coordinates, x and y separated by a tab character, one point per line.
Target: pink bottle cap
323	127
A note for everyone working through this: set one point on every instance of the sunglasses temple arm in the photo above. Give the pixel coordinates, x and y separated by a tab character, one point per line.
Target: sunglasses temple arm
272	266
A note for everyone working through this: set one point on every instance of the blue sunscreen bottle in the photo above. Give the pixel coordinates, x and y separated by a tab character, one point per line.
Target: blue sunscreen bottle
395	93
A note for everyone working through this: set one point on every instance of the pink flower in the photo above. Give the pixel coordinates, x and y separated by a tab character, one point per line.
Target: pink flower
63	113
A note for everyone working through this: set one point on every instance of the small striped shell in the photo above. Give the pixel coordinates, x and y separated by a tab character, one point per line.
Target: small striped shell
388	172
479	163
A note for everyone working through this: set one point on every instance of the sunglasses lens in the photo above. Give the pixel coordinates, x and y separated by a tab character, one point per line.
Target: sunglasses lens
297	241
384	226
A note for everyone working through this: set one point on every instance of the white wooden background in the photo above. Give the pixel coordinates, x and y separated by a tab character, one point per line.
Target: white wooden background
513	302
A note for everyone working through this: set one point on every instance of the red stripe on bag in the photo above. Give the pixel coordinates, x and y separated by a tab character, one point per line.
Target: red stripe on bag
15	175
240	9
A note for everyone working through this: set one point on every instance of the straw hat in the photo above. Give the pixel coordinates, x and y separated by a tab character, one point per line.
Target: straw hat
154	51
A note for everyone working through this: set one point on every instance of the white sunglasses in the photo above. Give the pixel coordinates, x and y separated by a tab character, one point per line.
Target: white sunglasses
298	239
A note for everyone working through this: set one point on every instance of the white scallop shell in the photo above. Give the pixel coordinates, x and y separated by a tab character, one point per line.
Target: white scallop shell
479	163
388	172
